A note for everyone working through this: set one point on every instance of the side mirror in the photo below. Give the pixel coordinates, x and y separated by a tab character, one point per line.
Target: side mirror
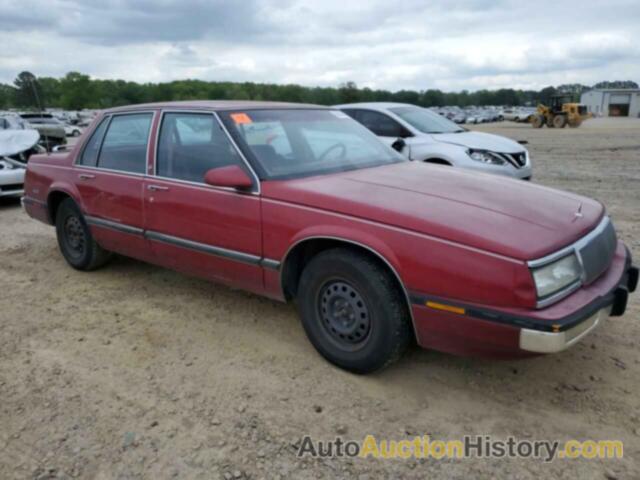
399	145
230	176
59	148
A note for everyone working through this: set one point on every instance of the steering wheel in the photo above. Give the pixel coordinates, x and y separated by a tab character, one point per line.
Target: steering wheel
332	148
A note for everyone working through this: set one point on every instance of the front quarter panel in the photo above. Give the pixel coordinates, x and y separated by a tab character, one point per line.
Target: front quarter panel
426	265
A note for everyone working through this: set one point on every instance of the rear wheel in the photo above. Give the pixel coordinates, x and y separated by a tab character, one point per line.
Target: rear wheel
352	310
537	121
559	121
76	243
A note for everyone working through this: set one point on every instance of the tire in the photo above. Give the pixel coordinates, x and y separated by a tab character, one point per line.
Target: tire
352	310
559	121
76	243
75	133
537	121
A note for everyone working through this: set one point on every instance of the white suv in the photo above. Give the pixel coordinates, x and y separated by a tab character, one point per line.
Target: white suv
425	136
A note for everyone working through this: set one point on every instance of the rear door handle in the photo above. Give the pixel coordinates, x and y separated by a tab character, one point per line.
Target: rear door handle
155	188
86	176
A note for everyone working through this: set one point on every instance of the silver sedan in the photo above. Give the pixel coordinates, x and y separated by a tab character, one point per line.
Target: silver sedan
425	136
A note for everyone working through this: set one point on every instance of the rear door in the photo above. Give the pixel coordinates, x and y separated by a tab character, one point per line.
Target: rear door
212	232
110	174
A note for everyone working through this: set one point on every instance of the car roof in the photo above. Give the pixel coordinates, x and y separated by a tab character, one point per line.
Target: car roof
376	105
214	105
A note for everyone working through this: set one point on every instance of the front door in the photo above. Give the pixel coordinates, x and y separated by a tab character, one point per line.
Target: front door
193	227
386	128
109	179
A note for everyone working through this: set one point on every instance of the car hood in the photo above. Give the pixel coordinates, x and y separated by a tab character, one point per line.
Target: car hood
480	141
509	217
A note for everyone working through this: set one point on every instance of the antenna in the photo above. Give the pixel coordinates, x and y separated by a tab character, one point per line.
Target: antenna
39	105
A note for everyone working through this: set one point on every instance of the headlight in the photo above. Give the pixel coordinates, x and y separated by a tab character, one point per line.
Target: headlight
485	156
557	276
5	165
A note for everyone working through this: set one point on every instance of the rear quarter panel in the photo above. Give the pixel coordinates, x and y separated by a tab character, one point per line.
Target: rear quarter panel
52	172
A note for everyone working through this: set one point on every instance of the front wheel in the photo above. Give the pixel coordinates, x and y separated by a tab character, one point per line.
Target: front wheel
353	311
76	243
537	121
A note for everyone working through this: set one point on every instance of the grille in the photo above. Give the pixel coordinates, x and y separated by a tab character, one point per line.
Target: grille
518	160
597	255
7	188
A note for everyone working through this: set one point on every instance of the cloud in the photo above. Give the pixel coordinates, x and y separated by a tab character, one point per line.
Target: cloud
470	44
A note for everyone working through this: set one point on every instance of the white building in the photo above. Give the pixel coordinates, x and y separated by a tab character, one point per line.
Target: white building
612	102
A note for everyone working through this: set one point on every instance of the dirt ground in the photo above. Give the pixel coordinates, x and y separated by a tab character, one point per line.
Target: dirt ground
134	371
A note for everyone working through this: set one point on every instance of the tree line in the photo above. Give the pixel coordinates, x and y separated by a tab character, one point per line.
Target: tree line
76	91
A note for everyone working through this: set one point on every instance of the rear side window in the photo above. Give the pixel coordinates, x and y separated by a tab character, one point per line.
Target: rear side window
125	144
92	149
190	144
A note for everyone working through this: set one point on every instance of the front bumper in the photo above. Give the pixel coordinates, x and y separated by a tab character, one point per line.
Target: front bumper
549	342
507	170
503	333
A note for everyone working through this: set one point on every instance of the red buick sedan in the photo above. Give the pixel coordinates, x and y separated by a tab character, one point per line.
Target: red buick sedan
300	202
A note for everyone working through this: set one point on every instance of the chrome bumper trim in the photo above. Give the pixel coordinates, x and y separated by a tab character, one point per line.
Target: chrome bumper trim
552	342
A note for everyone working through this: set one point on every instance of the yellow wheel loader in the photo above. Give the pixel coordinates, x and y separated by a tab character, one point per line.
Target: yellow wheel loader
560	113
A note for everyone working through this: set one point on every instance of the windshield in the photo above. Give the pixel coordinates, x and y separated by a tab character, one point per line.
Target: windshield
297	143
426	121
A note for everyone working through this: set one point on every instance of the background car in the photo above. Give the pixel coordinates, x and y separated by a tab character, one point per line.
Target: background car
10	121
72	130
13	143
52	132
517	114
429	137
11	179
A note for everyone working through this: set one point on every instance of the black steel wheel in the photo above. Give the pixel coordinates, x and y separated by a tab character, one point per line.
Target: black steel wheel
345	315
76	243
353	310
75	236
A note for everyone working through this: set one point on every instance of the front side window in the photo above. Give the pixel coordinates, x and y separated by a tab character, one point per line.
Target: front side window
426	121
92	149
299	142
125	144
190	144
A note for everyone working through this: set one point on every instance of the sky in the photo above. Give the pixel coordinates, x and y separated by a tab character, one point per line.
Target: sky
410	44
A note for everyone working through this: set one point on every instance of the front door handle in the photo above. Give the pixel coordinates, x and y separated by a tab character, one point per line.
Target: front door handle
86	176
155	188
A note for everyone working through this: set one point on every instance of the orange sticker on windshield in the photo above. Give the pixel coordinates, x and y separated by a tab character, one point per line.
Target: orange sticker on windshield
240	118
